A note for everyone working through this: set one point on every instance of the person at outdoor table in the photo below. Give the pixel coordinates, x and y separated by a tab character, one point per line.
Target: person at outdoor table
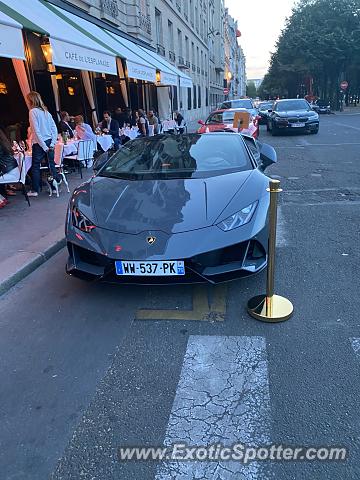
179	119
7	163
110	126
44	136
64	125
153	120
121	117
142	123
83	130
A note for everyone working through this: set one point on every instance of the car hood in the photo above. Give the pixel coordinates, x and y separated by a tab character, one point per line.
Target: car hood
293	113
172	206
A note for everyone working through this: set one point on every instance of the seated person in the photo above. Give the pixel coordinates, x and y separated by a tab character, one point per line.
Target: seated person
153	120
83	130
121	117
111	127
64	124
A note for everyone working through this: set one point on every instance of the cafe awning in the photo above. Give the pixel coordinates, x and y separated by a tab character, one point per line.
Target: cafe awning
71	46
11	40
142	63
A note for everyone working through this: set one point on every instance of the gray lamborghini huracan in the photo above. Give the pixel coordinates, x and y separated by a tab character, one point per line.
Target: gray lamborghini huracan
173	209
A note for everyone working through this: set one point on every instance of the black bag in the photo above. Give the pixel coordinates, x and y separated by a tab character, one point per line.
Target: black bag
7	161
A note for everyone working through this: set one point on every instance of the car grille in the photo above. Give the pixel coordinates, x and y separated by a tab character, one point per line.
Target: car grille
298	119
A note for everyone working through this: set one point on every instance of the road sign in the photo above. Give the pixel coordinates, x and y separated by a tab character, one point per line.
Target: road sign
226	91
344	85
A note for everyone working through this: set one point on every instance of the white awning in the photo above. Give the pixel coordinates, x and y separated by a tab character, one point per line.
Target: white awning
11	40
171	71
72	47
137	67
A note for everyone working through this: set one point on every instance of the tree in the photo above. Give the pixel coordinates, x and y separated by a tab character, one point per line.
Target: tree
319	47
251	90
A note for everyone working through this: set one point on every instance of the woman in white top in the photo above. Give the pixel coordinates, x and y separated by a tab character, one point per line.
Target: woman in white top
83	130
44	136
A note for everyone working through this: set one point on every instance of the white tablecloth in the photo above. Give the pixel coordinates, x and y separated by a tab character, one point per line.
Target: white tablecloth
131	133
71	147
168	125
105	141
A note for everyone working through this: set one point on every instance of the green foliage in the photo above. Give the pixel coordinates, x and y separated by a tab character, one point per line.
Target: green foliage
251	90
319	46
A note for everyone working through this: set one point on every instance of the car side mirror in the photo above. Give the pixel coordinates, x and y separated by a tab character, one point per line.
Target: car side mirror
201	122
267	156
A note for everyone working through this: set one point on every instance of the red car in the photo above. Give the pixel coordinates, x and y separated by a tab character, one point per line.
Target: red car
224	119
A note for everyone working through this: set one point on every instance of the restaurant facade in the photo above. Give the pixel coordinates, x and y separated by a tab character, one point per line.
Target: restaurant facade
79	64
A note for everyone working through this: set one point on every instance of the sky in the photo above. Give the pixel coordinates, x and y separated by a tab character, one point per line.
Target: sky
260	23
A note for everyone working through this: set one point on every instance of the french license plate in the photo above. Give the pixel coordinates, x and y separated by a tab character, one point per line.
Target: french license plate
298	125
148	269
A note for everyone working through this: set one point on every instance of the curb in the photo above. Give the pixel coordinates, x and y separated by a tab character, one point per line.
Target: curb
20	265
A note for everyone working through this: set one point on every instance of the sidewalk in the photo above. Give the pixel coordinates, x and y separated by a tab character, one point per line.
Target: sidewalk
31	235
350	111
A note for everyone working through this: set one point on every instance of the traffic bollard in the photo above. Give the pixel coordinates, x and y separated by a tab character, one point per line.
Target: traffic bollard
270	307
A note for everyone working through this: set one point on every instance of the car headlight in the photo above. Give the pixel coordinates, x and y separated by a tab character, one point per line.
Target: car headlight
239	218
80	221
280	119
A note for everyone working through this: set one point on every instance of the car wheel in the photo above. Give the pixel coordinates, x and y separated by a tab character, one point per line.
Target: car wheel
314	132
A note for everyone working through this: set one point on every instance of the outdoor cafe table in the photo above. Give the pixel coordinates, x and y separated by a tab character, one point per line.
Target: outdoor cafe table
132	133
168	125
105	141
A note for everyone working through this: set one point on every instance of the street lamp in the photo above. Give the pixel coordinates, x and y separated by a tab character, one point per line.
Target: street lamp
47	52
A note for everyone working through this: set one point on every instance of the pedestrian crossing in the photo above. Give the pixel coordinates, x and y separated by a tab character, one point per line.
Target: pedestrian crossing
222	397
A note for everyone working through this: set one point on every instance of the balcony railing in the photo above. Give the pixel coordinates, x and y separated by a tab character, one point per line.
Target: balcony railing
206	74
193	68
172	56
145	23
202	72
160	49
198	69
187	63
178	5
110	7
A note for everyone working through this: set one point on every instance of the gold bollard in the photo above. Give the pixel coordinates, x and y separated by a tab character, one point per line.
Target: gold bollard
270	307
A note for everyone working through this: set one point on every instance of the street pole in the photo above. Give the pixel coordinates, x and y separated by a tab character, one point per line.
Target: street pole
270	307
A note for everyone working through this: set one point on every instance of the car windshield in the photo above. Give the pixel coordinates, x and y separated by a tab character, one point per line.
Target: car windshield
178	156
220	118
244	103
291	105
265	106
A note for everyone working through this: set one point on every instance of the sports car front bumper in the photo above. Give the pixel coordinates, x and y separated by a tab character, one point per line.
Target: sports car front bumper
210	255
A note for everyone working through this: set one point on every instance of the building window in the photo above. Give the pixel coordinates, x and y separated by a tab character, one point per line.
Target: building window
186	10
195	102
171	35
207	97
187	53
158	27
189	98
199	96
191	13
180	45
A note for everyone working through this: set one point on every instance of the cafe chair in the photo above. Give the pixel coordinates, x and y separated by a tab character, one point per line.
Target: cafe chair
151	130
84	155
17	175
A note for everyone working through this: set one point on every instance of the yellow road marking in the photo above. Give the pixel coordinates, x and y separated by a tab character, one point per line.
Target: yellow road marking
203	309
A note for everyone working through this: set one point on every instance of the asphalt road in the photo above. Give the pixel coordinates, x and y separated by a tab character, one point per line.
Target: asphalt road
86	368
